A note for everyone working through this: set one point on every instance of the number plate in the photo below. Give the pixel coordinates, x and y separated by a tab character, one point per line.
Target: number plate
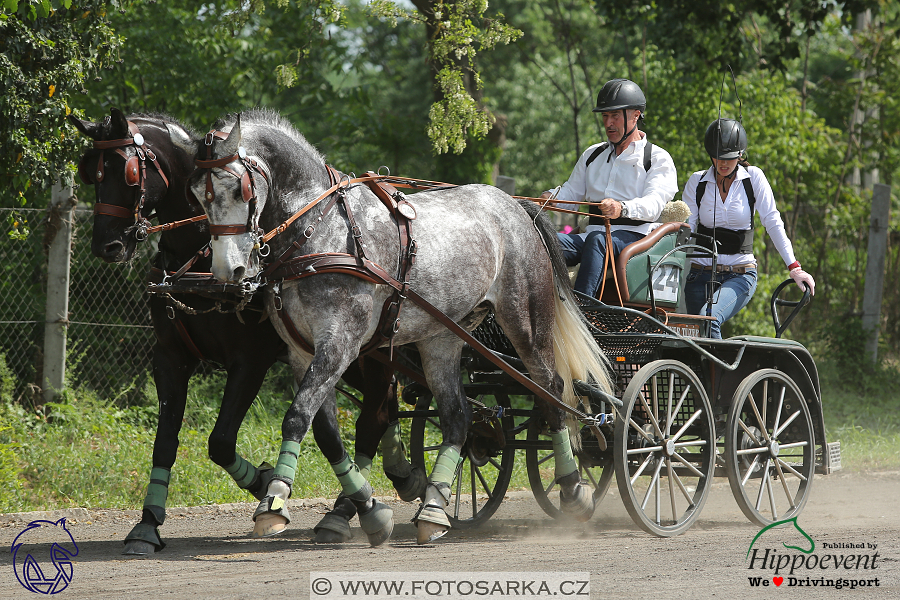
666	282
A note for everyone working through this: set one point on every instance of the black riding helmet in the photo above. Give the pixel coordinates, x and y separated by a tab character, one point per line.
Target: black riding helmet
725	139
621	94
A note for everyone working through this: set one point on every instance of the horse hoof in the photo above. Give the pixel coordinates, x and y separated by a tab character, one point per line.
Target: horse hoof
332	529
413	486
268	525
431	523
580	506
138	548
427	532
377	523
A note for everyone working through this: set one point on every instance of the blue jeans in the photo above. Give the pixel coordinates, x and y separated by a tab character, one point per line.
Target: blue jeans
733	295
591	252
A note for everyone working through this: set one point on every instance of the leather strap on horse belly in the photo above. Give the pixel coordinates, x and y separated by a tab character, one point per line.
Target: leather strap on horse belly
186	338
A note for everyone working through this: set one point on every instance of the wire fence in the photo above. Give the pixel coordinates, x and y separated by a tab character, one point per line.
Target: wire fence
109	335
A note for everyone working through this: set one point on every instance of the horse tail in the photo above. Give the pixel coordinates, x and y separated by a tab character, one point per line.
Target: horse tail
576	351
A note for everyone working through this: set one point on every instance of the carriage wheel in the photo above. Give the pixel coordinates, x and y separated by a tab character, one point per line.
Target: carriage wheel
769	447
487	465
596	468
664	448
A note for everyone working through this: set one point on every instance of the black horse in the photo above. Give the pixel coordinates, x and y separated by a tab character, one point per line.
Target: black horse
137	171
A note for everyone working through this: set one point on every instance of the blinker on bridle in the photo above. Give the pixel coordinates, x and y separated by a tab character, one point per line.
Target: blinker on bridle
135	175
248	188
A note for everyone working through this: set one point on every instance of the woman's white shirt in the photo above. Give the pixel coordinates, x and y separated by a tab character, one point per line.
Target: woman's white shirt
734	212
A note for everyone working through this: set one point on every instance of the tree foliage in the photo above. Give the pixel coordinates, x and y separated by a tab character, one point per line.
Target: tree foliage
51	49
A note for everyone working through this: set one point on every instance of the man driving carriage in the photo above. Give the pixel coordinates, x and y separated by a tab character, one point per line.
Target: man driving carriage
630	178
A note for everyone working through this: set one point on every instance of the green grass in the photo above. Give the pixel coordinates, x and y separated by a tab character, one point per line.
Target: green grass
94	453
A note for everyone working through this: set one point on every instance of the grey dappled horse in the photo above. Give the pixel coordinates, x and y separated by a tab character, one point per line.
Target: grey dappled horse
478	251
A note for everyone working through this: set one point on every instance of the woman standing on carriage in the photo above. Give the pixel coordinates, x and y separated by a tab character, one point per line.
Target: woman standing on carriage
722	200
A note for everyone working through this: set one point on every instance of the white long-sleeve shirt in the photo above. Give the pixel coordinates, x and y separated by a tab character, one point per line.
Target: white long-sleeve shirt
734	212
623	178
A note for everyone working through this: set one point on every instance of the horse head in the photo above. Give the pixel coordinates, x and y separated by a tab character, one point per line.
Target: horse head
134	163
233	187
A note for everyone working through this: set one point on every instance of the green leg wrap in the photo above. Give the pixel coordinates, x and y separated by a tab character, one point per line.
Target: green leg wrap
158	493
353	484
445	466
364	463
393	453
286	468
562	453
241	471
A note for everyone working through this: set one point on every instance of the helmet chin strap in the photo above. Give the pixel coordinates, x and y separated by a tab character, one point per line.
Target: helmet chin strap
624	137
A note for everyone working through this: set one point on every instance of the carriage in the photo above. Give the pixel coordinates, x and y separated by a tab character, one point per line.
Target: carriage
683	408
687	408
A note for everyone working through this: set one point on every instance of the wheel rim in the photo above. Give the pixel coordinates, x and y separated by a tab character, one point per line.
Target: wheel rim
769	447
595	471
484	473
664	448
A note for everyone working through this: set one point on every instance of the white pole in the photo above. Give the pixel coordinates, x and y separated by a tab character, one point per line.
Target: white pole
59	223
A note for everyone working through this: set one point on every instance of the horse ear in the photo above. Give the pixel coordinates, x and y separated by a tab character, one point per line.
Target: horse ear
231	144
119	124
87	128
182	140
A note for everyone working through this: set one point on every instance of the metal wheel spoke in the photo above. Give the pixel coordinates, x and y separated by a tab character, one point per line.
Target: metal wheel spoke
748	432
784	425
641	469
771	499
765	401
430	448
472	471
684	491
550	487
641	431
669	403
494	462
750	471
784	485
651	414
681	400
791	469
590	476
780	406
643	450
746	451
795	445
691	444
654	481
672	489
546	458
654	395
760	419
434	422
686	425
690	467
762	486
484	483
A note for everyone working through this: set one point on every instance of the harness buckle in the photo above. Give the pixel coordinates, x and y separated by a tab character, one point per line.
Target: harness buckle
170	312
357	232
140	230
140	153
276	300
209	139
307	233
151	155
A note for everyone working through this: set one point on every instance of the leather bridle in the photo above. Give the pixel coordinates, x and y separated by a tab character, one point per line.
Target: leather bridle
248	188
135	176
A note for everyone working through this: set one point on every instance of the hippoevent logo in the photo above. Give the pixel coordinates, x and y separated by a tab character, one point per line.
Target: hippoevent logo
797	564
42	556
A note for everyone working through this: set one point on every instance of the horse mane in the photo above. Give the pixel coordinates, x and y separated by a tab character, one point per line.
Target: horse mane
265	117
157	116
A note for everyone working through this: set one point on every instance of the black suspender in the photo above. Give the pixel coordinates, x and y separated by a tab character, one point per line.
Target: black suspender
648	148
730	240
748	189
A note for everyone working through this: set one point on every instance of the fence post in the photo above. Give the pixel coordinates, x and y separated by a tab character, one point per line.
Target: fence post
878	229
59	226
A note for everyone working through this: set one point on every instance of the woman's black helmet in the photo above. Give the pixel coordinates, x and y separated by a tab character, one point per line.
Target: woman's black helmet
725	139
620	94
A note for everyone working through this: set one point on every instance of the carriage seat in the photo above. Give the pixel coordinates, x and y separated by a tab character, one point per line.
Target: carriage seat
633	267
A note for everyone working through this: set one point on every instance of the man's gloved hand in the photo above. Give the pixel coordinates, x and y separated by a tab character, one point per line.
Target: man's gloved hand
801	277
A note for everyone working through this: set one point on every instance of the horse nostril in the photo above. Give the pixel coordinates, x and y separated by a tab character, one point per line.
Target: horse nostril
113	249
238	274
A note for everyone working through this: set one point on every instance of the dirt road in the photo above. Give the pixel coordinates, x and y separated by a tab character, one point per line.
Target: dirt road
210	556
